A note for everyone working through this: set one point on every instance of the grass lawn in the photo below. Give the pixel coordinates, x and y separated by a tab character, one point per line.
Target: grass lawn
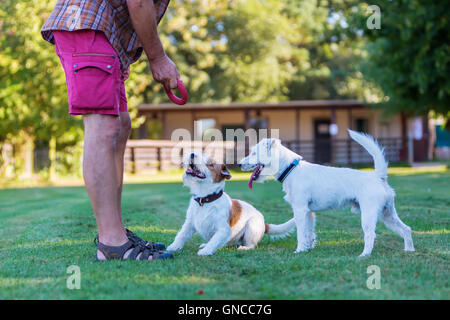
46	229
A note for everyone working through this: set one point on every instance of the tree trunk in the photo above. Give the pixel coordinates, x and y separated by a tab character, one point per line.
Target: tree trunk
52	158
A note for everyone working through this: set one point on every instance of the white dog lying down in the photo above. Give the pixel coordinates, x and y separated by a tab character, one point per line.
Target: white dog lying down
215	216
310	187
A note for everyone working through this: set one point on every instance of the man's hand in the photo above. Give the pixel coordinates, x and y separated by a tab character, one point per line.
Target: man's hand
165	71
143	17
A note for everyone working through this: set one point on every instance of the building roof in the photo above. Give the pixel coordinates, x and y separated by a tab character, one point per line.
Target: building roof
296	104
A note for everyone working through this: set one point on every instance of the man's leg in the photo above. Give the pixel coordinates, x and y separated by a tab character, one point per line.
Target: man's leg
125	129
100	175
101	146
104	143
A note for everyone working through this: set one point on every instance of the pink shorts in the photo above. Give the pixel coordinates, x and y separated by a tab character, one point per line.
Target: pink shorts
95	83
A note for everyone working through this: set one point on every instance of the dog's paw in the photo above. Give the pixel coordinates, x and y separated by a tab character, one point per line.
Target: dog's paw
313	241
244	248
173	247
202	245
364	255
205	252
302	248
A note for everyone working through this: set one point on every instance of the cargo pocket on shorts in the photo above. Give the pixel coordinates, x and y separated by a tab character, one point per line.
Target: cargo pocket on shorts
94	81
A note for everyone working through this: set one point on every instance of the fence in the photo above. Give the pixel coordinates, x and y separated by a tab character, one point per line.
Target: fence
157	155
149	156
7	165
345	151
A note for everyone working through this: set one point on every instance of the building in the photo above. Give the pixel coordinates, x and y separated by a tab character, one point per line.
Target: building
315	129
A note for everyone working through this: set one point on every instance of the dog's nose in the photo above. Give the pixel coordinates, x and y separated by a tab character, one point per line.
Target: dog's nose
192	155
240	165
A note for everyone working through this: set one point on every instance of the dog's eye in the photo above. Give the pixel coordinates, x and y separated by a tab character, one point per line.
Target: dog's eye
209	164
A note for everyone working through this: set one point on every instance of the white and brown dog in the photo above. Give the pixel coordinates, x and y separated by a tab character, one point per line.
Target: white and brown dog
218	219
311	187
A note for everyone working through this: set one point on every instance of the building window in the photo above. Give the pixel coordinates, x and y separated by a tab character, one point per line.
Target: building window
255	123
362	125
323	128
258	123
204	129
232	127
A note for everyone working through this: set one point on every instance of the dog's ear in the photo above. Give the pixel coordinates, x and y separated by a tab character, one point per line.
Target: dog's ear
275	142
225	173
272	142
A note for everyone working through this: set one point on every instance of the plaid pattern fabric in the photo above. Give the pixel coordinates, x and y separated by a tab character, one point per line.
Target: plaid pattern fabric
109	16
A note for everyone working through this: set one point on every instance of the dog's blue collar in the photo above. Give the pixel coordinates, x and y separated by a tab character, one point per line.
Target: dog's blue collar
288	170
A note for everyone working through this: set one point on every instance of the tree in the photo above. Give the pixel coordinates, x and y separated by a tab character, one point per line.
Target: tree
409	56
237	50
33	97
334	51
226	50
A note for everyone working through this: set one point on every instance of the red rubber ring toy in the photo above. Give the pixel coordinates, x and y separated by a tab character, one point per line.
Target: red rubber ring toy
184	94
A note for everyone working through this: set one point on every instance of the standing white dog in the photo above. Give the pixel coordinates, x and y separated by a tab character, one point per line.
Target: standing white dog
215	216
311	187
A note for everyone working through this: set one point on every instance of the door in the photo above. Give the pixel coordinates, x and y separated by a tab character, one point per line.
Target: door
420	142
239	149
322	141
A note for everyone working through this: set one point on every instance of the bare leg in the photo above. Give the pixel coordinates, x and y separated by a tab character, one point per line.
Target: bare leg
101	177
124	133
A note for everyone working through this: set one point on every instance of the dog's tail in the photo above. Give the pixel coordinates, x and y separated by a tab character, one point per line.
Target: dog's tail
374	149
280	230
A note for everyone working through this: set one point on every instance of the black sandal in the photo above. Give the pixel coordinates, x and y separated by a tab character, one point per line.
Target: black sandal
113	252
156	246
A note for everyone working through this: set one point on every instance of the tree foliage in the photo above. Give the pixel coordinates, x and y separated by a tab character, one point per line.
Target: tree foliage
33	99
225	50
241	50
254	50
409	56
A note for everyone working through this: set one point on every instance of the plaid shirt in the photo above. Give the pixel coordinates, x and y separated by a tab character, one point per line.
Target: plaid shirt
109	16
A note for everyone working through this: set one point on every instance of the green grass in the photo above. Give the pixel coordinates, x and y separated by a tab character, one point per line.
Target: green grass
44	230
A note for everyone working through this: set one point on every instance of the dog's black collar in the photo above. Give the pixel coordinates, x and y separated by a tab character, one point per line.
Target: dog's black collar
288	170
209	198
